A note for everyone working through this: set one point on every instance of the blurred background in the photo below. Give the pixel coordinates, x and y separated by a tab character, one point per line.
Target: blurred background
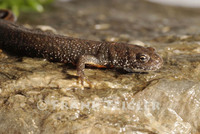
183	3
24	5
38	5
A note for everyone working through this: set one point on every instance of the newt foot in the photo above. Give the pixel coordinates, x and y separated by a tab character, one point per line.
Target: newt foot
82	80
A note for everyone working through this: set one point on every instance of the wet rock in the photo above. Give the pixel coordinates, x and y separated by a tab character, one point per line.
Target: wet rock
38	96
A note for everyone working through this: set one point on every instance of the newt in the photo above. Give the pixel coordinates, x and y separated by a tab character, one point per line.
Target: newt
58	48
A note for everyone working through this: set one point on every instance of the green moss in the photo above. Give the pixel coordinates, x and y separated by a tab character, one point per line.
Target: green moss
24	5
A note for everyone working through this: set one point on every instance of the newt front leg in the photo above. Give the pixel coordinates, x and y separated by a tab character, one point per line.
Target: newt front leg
83	60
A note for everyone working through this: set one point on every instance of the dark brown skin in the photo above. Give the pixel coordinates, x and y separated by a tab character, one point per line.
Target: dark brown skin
22	41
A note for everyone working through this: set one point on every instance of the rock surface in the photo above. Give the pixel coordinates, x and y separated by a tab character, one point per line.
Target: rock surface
37	96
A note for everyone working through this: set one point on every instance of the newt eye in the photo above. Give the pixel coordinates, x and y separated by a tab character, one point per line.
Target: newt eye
143	58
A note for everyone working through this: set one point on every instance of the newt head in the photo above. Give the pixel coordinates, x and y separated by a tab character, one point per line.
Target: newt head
143	59
134	58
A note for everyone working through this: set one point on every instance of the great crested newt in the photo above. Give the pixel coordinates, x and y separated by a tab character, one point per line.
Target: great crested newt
34	43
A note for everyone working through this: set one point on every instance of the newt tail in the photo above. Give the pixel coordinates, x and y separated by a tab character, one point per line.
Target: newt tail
33	43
